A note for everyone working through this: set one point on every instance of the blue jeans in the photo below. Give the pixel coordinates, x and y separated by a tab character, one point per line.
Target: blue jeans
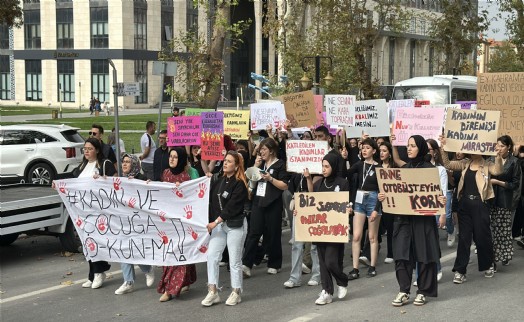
368	203
297	252
450	228
128	271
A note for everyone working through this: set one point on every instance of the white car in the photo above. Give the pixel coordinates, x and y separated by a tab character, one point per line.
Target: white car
39	153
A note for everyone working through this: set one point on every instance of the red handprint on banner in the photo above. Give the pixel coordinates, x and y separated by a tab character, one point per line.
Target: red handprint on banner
116	183
189	211
62	187
201	190
192	232
163	236
102	222
178	192
131	203
91	245
203	248
162	215
78	221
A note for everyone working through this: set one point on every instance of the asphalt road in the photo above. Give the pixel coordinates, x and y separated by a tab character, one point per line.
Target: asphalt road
39	283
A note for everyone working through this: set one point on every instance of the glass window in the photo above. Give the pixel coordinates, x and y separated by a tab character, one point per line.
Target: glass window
140	28
141	78
431	57
66	80
99	28
5	78
32	29
391	61
167	25
412	57
100	79
4	36
64	28
33	80
192	16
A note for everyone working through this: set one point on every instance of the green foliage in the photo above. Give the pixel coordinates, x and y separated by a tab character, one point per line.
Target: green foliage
505	59
11	13
514	23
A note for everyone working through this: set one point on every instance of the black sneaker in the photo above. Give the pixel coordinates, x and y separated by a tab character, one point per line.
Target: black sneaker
520	243
353	275
372	272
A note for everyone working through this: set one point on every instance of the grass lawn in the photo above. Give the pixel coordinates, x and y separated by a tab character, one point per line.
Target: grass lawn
30	110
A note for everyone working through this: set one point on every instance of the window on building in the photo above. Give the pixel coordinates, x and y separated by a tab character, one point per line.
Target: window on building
33	80
99	28
141	78
66	80
64	28
4	36
192	16
5	78
100	79
412	56
391	68
167	25
431	57
140	28
32	29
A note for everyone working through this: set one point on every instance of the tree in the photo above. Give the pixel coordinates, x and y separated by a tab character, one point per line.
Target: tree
11	13
504	58
514	23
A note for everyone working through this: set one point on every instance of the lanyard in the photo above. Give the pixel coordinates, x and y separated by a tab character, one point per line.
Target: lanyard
364	176
266	166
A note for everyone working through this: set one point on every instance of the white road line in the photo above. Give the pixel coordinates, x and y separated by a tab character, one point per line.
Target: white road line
49	289
307	317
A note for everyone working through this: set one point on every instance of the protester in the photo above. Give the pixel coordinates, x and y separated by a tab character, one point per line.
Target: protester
386	161
195	159
518	223
148	146
228	227
97	131
111	141
161	156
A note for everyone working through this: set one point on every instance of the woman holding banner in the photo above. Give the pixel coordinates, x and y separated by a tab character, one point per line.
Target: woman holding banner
386	161
176	278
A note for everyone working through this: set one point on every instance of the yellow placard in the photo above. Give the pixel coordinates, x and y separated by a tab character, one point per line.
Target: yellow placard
236	124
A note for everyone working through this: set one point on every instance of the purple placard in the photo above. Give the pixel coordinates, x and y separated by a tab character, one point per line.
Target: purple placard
184	130
465	105
212	135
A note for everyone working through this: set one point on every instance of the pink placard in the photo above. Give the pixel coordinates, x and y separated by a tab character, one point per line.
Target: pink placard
422	121
319	107
184	130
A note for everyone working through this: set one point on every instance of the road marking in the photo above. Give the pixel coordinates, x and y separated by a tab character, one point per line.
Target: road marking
307	317
49	289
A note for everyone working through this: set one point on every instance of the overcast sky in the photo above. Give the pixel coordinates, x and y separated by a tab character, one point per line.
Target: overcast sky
497	28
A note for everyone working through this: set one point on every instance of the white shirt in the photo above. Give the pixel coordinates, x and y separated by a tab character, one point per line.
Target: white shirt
144	143
89	171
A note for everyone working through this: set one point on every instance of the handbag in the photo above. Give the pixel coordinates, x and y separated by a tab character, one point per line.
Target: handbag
235	222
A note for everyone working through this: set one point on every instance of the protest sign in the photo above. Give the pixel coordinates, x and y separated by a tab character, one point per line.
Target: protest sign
422	121
193	111
267	113
371	117
319	107
303	154
212	138
300	108
467	105
332	128
504	92
411	191
394	104
322	217
183	130
419	103
236	124
132	221
445	107
340	109
472	131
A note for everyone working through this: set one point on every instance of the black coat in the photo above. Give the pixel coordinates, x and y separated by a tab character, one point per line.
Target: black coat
508	197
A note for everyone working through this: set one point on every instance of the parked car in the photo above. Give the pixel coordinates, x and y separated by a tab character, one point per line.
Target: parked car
39	153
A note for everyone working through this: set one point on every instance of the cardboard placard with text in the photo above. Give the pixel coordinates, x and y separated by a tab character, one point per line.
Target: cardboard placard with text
371	117
236	124
267	113
303	154
394	104
300	108
340	109
183	130
212	138
422	121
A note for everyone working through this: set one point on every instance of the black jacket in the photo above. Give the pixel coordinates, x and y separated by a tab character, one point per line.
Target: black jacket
508	197
160	163
231	194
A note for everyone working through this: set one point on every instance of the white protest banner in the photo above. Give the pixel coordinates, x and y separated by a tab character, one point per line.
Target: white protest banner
340	109
132	221
472	131
422	121
411	191
445	107
303	154
322	217
394	104
270	113
371	117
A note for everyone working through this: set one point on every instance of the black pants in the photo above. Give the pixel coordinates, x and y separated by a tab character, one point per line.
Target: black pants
427	277
473	219
266	221
96	268
331	257
518	221
387	221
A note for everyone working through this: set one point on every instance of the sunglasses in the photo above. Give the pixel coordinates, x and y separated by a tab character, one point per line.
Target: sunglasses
93	133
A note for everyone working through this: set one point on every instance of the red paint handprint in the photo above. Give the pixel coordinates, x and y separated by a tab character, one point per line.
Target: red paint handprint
203	248
78	221
163	236
162	215
102	222
192	232
178	192
131	203
202	190
61	187
91	245
189	211
116	183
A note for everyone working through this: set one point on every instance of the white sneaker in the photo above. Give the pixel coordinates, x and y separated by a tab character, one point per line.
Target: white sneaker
233	299
125	288
342	291
246	270
324	298
312	283
150	277
305	269
389	260
273	271
451	240
439	276
98	280
291	284
222	264
87	284
364	260
211	298
415	283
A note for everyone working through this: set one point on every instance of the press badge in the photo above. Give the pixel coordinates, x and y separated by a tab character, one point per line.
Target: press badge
261	189
225	194
337	188
271	171
359	198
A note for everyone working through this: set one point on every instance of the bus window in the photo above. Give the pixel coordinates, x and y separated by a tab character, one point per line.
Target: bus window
435	94
463	94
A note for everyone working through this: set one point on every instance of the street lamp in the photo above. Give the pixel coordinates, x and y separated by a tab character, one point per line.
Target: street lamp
328	79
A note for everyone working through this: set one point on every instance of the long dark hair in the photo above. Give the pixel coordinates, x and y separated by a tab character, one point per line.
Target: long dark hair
388	145
98	148
437	157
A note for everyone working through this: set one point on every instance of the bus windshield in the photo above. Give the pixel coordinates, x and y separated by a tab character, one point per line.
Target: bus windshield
436	94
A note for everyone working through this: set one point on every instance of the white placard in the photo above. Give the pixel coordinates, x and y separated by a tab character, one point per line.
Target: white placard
371	117
340	109
303	154
266	113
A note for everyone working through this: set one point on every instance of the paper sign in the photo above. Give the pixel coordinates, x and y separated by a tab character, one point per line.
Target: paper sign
504	92
133	221
319	107
300	108
467	105
394	104
212	138
332	128
411	191
472	131
236	124
263	114
183	130
371	117
419	103
340	109
445	107
322	217
193	111
303	154
422	121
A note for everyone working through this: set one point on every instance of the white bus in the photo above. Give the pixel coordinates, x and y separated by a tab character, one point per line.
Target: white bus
439	89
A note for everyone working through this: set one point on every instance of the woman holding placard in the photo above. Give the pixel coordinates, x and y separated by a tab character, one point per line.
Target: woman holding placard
386	161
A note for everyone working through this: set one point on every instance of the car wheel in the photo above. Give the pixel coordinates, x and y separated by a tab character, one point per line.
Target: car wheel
69	239
40	173
7	240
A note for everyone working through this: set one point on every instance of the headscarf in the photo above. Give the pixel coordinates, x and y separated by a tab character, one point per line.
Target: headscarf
182	160
332	159
135	165
423	149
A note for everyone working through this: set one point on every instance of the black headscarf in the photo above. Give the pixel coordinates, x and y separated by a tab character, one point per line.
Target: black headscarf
332	159
422	150
182	160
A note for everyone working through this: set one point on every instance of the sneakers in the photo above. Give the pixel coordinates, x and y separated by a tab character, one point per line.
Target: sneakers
459	278
273	271
451	240
520	243
489	273
372	272
353	275
246	271
505	263
98	280
324	298
401	299
420	300
415	283
305	269
342	291
125	288
364	260
439	275
389	260
312	283
233	299
222	264
150	277
211	298
291	284
87	284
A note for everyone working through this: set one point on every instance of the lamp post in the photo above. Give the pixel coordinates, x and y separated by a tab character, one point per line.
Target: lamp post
317	59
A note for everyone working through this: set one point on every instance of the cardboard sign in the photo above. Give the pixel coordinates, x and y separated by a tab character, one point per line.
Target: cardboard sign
472	131
183	130
322	217
504	92
371	117
193	111
394	104
236	124
212	138
267	113
411	191
340	109
303	154
422	121
132	221
300	108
